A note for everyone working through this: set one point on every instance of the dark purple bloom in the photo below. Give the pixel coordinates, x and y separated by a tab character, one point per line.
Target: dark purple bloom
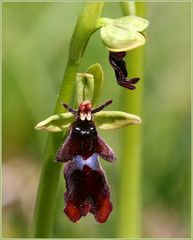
87	187
117	62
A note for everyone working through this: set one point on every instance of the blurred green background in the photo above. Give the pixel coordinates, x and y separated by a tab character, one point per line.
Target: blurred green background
36	38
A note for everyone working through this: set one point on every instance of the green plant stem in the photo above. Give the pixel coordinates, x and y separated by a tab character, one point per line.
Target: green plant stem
129	224
51	171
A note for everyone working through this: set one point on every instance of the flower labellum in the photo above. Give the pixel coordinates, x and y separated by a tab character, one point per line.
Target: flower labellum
117	62
86	183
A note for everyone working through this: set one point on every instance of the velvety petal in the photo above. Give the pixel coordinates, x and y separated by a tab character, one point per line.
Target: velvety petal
87	191
64	153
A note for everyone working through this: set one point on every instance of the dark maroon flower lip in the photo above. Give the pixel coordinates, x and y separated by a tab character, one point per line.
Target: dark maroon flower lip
86	183
87	189
119	66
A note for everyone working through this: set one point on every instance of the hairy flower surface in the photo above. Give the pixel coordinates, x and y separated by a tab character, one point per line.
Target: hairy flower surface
86	183
87	189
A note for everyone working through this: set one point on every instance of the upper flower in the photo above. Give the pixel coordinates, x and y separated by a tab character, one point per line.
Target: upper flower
121	35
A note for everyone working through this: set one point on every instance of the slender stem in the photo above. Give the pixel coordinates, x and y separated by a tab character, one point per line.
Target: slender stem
51	171
130	177
128	8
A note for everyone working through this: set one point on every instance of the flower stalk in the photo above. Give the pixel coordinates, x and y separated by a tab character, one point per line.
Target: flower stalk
129	224
51	172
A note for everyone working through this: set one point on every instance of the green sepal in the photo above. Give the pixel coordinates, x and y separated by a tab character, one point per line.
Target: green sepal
118	40
115	119
123	34
56	123
103	120
84	87
98	75
135	23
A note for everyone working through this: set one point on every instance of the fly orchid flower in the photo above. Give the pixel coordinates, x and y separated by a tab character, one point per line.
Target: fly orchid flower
121	35
87	187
